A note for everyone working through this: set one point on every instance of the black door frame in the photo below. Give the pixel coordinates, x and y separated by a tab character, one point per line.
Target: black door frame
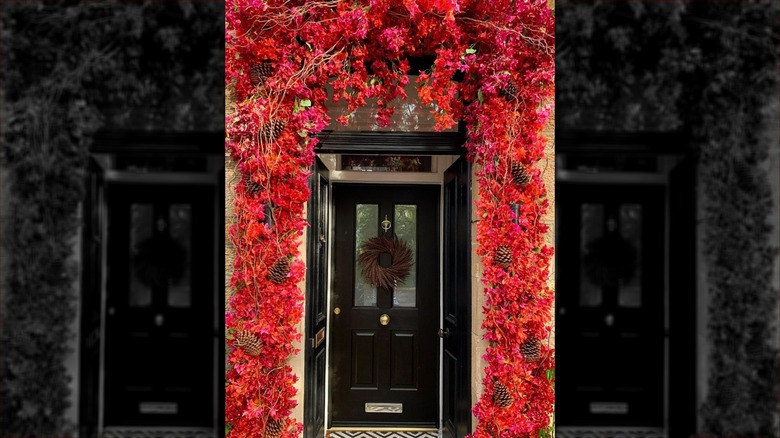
679	180
159	148
404	143
427	258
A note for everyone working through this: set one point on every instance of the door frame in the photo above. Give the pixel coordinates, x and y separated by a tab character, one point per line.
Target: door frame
434	307
336	177
676	173
109	146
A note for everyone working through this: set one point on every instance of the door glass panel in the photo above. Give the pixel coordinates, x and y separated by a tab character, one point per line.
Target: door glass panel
141	256
591	272
630	286
179	285
405	218
366	225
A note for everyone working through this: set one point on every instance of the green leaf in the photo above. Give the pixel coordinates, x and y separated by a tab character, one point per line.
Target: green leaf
306	103
480	97
471	51
303	133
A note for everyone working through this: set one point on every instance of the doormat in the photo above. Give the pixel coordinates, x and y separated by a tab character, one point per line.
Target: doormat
381	434
608	432
157	432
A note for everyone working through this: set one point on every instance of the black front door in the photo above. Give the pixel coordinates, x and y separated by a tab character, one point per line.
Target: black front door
159	346
316	301
610	295
456	381
384	357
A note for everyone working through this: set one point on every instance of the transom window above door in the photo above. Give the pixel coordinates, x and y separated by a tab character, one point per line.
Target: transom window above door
386	163
410	114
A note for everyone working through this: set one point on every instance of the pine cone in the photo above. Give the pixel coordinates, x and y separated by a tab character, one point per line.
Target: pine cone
520	174
272	130
503	256
260	72
273	429
531	350
279	271
252	188
501	396
248	341
509	92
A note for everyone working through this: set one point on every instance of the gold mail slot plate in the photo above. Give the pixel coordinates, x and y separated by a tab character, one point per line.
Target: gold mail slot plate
165	408
384	408
614	408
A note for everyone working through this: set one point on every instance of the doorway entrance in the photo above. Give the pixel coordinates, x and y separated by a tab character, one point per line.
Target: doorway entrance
384	360
159	349
610	305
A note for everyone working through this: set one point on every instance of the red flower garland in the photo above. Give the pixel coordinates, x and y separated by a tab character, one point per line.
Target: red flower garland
503	50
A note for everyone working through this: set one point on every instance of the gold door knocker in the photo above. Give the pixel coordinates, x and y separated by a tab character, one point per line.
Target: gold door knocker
386	224
384	319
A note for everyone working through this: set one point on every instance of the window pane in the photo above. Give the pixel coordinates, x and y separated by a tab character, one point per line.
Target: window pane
142	269
366	225
410	114
405	293
591	233
630	287
179	285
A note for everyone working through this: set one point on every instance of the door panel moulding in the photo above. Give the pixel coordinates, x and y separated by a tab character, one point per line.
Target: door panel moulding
211	176
440	163
666	161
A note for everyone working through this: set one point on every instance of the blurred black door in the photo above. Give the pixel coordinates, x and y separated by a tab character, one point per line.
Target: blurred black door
385	372
610	304
94	214
159	348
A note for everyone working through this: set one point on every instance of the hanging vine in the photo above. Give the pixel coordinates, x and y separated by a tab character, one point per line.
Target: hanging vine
280	55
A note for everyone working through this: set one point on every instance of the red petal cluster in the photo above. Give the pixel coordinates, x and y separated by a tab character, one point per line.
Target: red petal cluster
492	61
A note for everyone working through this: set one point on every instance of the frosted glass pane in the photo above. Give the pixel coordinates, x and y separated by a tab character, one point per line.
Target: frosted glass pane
405	223
366	224
630	287
591	231
180	288
142	269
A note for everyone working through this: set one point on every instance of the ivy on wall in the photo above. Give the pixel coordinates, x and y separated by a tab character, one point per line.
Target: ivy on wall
736	86
69	69
710	69
280	55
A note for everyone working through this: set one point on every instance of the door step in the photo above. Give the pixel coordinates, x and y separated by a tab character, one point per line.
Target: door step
157	432
608	432
385	433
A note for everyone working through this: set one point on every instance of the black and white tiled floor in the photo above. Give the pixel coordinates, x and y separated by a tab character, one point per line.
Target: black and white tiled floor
561	432
157	432
381	434
608	432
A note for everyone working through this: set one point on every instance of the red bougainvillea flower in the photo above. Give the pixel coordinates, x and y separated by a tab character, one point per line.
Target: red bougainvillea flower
491	61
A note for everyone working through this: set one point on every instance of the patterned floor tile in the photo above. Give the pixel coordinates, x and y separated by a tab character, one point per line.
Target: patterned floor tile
381	434
608	432
157	432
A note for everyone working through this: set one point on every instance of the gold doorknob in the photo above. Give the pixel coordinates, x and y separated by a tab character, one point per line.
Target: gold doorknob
337	310
384	319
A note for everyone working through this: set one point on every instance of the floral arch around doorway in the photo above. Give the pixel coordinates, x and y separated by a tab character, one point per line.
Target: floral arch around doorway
492	68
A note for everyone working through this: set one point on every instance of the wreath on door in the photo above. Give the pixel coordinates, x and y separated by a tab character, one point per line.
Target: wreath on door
159	260
381	276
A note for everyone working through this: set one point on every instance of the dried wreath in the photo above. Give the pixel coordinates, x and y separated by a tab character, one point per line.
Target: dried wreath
378	275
